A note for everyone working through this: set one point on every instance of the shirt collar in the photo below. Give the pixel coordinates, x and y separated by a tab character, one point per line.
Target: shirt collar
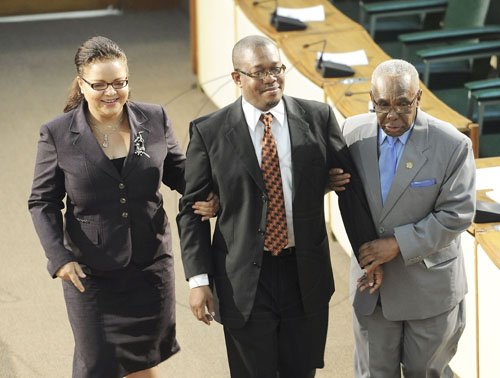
252	114
402	138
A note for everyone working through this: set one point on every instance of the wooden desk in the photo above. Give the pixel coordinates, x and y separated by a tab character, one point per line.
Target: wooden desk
342	34
487	267
477	350
260	15
334	88
219	24
488	234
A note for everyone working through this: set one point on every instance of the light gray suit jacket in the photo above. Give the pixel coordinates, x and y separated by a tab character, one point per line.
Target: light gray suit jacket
431	202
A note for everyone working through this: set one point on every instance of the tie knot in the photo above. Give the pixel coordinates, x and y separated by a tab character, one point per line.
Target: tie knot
392	141
266	119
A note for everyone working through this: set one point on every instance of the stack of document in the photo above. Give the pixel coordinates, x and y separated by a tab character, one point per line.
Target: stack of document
352	58
316	13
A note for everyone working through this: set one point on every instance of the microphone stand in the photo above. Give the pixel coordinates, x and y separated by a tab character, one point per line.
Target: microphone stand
281	23
329	69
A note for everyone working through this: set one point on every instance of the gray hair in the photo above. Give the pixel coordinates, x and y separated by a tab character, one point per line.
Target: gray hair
395	68
251	42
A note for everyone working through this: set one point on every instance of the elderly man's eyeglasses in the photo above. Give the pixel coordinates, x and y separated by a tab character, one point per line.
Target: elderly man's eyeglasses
399	109
102	86
261	75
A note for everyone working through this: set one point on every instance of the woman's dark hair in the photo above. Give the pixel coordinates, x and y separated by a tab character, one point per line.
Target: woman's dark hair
94	49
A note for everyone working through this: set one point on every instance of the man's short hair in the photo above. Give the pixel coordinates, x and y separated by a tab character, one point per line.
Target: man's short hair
251	42
395	67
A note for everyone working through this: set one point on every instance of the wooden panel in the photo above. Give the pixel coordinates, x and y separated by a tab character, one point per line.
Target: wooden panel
149	4
260	15
18	7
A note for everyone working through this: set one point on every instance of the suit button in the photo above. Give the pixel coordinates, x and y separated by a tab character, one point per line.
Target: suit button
381	230
123	200
124	214
260	232
121	185
255	264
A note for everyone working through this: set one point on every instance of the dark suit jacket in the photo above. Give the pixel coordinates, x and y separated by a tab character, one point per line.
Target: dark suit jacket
221	158
110	218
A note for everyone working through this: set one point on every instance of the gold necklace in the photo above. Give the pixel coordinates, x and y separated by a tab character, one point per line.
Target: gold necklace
105	135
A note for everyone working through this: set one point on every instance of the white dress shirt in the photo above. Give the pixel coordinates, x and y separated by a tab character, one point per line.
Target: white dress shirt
281	135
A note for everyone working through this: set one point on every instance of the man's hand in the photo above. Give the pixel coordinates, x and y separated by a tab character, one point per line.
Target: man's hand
377	252
371	280
337	179
208	208
201	300
72	272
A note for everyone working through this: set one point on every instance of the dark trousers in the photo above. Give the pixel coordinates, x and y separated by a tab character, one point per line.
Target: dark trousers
279	338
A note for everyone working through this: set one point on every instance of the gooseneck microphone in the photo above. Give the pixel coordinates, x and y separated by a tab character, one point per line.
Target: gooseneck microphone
349	93
281	23
329	69
265	1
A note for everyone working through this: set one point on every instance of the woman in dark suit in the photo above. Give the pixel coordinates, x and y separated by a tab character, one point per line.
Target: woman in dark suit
108	157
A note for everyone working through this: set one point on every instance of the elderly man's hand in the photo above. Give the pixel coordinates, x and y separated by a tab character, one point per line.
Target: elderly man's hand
377	252
371	280
209	208
337	179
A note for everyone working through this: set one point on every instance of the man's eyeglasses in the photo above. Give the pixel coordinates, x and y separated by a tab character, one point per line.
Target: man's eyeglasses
399	109
102	86
261	75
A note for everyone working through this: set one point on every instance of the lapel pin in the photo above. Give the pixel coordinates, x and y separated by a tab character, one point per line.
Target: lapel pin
409	165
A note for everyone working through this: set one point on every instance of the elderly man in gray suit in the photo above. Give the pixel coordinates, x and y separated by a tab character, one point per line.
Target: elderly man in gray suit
419	175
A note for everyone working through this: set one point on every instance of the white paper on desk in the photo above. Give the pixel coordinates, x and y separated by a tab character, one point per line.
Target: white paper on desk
316	13
487	178
494	195
351	58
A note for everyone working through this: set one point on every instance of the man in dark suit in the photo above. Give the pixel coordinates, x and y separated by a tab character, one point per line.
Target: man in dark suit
267	158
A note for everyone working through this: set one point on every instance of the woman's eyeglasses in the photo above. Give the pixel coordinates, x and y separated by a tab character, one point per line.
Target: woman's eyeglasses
102	86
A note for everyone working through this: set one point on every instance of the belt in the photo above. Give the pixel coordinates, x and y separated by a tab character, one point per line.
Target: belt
285	252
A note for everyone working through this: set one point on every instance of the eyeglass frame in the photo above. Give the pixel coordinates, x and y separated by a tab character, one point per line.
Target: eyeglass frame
266	73
393	107
91	85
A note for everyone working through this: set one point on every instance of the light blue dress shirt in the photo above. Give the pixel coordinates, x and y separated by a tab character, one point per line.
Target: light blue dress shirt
387	165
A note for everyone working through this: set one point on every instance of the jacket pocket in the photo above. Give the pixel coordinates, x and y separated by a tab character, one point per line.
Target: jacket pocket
423	183
82	230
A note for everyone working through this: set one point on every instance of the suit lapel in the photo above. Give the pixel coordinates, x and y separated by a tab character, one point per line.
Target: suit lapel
368	152
239	138
412	160
299	137
138	126
85	141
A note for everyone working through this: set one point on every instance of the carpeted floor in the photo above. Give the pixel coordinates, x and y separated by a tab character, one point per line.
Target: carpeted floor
36	69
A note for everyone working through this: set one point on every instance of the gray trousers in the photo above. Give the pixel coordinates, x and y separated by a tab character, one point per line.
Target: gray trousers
417	348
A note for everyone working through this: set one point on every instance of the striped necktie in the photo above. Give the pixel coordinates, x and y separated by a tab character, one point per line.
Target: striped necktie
276	237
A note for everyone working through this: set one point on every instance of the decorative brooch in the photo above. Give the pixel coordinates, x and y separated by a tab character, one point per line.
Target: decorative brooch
140	149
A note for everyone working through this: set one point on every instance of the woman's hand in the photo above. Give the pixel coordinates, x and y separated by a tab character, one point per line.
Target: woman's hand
72	272
208	208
